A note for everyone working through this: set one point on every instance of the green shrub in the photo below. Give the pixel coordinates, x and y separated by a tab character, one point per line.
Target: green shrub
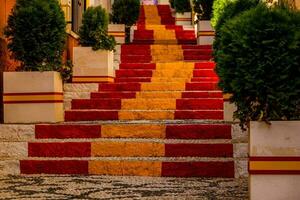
36	34
203	8
66	71
126	12
93	31
259	64
171	3
218	8
182	6
231	10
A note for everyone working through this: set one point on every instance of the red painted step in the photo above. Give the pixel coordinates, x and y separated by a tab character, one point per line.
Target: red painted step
117	95
70	167
199	114
59	149
202	94
198	131
136	58
198	57
198	104
198	169
187	52
109	104
196	46
90	115
133	73
137	66
204	73
132	80
205	65
119	87
205	79
52	131
198	150
201	86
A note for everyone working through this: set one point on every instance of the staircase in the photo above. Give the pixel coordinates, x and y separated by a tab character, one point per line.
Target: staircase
162	116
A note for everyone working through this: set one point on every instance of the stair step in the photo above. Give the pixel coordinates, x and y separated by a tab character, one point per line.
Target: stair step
96	115
137	66
127	149
129	168
163	131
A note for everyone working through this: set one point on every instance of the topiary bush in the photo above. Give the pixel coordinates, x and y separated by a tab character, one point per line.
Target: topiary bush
182	6
171	3
218	8
126	12
231	10
36	34
203	8
259	64
93	31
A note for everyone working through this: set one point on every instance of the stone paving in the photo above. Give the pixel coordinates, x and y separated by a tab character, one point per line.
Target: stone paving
105	187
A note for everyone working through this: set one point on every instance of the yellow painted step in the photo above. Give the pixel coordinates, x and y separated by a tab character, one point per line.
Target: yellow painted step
149	104
152	95
133	131
146	115
157	86
125	168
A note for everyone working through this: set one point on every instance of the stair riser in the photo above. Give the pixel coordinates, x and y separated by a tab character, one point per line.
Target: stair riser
130	168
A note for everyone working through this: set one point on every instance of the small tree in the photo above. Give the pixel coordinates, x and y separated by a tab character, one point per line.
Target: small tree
126	12
218	8
182	6
203	8
258	63
93	31
36	34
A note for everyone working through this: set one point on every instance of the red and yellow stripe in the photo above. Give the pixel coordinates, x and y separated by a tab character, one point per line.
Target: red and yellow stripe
274	165
34	97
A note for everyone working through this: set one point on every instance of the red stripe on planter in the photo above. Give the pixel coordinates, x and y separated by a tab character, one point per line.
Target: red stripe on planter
194	131
198	150
54	167
198	169
55	149
33	101
67	131
274	172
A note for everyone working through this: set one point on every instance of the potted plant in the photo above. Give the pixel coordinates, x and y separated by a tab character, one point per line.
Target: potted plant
36	37
205	31
126	12
93	60
183	12
258	63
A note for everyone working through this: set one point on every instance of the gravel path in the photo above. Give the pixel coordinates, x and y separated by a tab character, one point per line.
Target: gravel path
104	187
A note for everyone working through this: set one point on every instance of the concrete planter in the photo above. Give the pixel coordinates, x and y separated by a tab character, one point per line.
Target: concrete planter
31	97
229	108
183	19
205	33
92	66
163	2
274	164
118	31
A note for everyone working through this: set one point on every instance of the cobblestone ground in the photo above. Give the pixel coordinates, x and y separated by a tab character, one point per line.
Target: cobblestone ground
100	187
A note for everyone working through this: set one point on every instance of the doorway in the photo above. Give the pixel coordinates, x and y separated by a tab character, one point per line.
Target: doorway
78	7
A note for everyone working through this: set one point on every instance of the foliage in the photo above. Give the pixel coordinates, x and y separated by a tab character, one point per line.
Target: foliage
231	10
66	71
93	31
218	8
126	12
259	63
36	34
203	8
182	6
171	3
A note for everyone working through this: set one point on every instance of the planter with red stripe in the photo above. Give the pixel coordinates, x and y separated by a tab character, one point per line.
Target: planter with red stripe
31	97
274	163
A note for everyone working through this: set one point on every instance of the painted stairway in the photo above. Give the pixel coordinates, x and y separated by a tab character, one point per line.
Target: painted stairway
160	117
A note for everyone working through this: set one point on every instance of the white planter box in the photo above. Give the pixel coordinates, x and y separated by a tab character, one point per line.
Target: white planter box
92	66
274	164
183	19
205	33
31	97
118	31
163	2
229	109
